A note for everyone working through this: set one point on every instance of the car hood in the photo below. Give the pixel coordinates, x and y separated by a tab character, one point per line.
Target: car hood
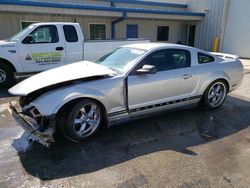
74	71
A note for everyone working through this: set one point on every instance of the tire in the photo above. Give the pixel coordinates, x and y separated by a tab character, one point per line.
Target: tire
81	120
215	95
6	76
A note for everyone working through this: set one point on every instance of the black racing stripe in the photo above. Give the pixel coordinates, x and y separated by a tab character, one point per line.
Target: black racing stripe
155	105
118	113
164	104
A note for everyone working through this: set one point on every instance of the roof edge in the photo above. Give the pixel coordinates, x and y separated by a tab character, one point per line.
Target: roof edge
98	8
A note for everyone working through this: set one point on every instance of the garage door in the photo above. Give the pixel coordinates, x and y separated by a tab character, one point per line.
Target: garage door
237	34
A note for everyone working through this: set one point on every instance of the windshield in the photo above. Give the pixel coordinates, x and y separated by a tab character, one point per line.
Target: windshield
122	59
20	34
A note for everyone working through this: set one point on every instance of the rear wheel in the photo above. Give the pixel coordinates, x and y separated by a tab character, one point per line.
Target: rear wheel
6	76
215	94
82	120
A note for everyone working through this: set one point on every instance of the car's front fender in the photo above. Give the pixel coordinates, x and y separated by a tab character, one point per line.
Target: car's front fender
49	103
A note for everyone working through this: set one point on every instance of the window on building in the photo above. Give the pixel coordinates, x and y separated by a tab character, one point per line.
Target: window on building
162	33
169	59
132	31
70	33
25	24
97	31
204	58
45	34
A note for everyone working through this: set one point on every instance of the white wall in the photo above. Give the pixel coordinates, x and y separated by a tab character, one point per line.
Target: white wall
237	35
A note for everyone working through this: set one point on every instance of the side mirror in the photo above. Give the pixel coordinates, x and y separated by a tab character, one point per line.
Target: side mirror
147	69
28	40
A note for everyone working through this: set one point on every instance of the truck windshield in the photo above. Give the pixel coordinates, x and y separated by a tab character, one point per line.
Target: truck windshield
20	34
122	59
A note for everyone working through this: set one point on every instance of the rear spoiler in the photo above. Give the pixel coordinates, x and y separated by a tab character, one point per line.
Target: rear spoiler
225	56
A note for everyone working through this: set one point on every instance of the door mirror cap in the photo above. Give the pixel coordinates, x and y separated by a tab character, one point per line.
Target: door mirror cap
28	40
147	69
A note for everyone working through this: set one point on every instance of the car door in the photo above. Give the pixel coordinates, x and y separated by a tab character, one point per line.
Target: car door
44	50
173	82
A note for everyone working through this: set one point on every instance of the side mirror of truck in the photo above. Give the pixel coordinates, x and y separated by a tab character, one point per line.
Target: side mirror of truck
147	69
28	40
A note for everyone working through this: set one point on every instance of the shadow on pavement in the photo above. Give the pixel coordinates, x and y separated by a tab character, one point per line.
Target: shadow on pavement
171	131
4	93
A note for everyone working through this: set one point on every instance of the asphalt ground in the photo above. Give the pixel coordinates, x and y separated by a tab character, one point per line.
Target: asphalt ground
188	148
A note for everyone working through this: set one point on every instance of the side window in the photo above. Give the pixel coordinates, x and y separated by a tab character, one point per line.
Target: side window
204	58
45	34
70	33
182	58
168	59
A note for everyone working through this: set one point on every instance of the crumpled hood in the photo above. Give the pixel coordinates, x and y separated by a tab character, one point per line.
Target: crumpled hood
74	71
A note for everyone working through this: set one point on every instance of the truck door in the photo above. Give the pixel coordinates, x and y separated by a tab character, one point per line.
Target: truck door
73	44
42	49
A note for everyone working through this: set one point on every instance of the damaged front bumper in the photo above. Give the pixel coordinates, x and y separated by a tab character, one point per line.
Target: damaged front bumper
44	137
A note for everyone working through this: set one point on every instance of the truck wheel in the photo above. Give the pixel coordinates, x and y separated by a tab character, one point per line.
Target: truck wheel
215	94
82	120
6	76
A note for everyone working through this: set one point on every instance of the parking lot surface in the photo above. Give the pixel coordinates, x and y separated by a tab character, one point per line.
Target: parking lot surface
188	148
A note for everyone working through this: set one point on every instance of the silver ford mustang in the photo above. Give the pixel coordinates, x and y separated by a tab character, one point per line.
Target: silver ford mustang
130	82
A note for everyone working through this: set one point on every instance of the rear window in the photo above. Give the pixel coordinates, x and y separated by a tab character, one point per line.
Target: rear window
70	33
204	58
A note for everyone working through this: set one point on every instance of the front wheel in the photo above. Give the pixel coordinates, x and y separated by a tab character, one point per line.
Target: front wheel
82	120
215	94
6	76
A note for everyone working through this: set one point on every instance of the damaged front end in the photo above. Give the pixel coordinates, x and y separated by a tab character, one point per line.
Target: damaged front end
40	128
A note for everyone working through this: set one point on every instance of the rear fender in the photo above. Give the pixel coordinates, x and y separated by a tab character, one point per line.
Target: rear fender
215	76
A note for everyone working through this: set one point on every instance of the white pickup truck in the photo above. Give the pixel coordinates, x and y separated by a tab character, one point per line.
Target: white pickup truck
43	46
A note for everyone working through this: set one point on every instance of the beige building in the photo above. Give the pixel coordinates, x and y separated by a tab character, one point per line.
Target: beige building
191	22
111	19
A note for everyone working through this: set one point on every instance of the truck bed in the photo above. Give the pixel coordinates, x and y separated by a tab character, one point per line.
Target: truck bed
105	46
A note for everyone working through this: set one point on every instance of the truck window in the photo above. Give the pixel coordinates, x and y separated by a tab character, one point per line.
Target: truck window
70	33
45	34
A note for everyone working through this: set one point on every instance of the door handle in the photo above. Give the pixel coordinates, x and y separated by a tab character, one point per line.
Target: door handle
186	76
59	48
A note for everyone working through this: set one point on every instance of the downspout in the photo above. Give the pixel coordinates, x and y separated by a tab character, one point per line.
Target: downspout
224	23
124	17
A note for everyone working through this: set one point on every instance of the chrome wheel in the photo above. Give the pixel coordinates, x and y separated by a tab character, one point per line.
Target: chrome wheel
217	94
87	120
2	76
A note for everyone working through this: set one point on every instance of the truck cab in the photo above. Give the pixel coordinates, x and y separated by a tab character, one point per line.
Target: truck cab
40	47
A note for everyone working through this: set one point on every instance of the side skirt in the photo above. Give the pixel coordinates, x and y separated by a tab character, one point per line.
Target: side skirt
125	116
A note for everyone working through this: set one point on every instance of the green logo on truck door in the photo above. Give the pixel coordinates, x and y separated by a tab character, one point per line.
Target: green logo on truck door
45	58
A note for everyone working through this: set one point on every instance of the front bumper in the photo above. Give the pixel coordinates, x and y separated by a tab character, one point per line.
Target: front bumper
45	138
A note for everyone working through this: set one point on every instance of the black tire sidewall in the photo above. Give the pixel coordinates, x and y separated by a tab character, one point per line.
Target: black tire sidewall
70	116
9	76
205	100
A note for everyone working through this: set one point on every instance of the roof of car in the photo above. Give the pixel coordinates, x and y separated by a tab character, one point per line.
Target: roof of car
151	46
